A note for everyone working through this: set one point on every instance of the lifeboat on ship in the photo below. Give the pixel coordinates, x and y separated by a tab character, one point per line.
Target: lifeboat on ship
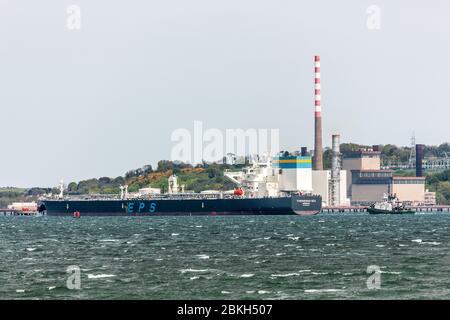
238	192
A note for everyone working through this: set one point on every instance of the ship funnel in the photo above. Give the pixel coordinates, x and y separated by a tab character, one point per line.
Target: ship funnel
304	151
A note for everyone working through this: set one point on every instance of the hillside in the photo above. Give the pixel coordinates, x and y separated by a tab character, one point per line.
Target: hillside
199	178
10	195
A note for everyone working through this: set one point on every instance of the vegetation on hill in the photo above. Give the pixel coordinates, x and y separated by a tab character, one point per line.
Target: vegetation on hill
199	178
439	182
10	195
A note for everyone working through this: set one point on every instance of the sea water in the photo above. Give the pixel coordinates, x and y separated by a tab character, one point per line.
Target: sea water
327	256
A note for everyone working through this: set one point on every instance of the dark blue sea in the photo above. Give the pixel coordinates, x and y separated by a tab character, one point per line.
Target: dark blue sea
244	257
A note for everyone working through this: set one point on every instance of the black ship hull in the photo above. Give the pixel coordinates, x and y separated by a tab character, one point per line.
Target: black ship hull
291	205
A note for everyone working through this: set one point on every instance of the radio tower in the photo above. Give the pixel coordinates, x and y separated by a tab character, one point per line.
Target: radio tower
412	153
318	153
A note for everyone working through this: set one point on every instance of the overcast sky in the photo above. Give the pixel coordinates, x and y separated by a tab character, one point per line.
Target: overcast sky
104	99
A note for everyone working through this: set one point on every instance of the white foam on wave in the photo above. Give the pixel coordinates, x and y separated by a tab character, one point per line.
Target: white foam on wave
51	288
323	290
20	290
202	256
225	292
247	275
434	243
263	291
390	272
426	242
100	276
31	249
108	240
194	270
294	238
285	275
175	234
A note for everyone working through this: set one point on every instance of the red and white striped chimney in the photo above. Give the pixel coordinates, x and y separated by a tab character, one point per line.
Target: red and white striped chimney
318	152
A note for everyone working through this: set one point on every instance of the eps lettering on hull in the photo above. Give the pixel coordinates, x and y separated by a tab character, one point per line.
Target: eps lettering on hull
140	207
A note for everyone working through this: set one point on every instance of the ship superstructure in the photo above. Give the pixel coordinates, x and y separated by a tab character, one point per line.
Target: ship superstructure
277	176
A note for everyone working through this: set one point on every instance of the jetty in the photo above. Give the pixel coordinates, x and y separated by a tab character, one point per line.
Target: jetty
15	212
360	209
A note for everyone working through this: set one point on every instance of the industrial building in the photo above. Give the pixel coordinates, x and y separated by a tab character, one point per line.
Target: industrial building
368	183
321	185
359	176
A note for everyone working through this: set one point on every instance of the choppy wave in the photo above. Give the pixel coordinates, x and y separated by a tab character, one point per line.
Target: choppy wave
247	275
100	276
285	275
426	242
323	290
194	270
166	257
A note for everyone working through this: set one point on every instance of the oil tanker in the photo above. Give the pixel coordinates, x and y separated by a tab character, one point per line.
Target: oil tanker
172	206
277	186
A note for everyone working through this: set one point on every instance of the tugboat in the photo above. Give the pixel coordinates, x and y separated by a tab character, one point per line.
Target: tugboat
389	205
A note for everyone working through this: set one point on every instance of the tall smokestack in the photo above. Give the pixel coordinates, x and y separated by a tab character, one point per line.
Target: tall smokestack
419	157
335	181
318	152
